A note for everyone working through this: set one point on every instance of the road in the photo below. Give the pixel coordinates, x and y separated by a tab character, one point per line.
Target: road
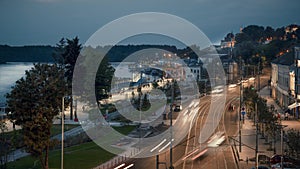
185	153
215	157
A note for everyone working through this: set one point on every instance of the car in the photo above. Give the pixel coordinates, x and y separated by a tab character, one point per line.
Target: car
217	90
286	165
251	78
261	167
177	108
277	159
232	85
245	81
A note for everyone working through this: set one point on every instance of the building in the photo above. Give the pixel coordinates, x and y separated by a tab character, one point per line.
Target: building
227	44
196	70
231	69
284	82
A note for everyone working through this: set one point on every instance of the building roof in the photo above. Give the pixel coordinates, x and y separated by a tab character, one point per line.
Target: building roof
285	59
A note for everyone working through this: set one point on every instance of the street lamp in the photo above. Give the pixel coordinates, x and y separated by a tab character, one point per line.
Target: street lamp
62	129
171	125
281	144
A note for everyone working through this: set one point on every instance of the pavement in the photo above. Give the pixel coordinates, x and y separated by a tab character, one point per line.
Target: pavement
248	131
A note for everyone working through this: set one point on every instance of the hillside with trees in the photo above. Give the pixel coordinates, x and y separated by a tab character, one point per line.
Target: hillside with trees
45	53
253	44
257	43
26	53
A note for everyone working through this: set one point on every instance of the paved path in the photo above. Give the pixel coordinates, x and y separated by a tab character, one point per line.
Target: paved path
249	135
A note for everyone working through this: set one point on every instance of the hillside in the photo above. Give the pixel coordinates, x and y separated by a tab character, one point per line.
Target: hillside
26	53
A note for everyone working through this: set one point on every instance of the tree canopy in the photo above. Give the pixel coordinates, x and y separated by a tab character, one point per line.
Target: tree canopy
257	41
33	103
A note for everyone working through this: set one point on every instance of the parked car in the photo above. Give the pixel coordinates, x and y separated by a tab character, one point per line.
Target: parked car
277	159
261	167
177	108
286	165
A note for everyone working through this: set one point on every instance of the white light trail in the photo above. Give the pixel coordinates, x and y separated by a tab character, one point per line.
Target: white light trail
131	165
165	146
119	166
158	145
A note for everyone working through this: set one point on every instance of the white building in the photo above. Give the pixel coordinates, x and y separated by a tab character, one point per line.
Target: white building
283	80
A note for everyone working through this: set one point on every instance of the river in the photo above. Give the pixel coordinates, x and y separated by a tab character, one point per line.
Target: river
13	71
9	74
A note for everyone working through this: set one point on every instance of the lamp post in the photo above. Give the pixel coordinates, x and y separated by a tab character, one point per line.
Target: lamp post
297	65
256	137
62	131
171	125
241	103
281	144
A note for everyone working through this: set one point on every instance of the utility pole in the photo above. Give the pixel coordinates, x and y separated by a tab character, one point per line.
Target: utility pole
171	125
256	138
140	105
256	116
62	131
297	62
281	144
281	147
258	75
241	104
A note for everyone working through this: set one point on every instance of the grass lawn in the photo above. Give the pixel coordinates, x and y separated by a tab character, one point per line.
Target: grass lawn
56	128
124	130
83	156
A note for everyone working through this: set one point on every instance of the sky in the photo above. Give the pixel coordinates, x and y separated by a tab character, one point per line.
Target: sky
45	22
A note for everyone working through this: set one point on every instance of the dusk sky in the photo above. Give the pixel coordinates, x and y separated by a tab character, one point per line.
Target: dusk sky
45	22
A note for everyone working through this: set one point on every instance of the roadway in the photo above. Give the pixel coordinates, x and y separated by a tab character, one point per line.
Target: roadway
215	156
191	152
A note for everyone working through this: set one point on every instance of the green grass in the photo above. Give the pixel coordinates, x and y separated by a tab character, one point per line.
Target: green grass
124	130
56	128
24	163
83	156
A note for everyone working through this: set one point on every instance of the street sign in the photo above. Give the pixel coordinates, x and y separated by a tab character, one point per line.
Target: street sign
243	113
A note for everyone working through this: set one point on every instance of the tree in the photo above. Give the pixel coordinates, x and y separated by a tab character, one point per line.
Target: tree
69	55
265	117
246	49
298	34
103	79
241	37
34	102
279	33
293	137
85	76
254	32
155	85
4	147
145	103
229	37
269	32
59	51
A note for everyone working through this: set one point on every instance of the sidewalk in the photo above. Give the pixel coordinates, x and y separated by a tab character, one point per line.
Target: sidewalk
249	136
265	93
